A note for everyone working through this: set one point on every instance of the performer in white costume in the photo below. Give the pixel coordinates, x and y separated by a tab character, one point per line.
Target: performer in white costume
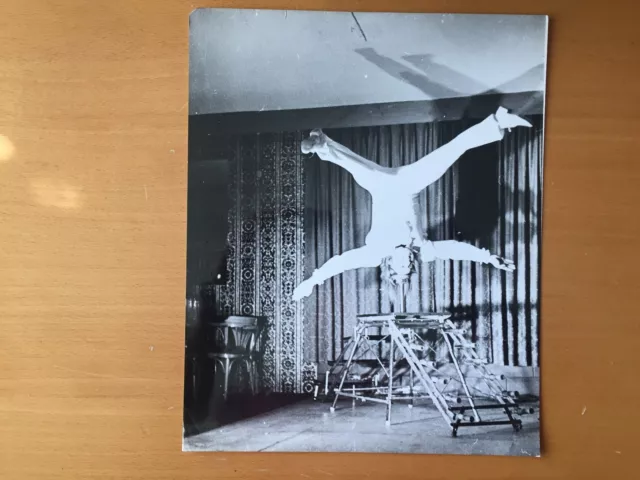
394	219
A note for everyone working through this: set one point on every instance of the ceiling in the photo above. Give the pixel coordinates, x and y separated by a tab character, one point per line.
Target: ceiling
257	60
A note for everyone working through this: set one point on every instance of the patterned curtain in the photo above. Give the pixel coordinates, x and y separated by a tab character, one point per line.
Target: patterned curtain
265	246
491	198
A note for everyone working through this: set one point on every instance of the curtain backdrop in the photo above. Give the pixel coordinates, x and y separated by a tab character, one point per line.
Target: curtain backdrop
491	198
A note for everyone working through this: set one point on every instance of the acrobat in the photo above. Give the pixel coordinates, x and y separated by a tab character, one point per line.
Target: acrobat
395	220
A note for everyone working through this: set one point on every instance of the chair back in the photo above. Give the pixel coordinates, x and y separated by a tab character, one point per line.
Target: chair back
237	335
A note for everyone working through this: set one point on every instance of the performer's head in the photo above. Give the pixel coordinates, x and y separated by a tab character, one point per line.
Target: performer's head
401	260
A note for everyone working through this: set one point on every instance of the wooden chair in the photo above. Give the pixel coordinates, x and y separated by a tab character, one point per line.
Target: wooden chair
236	342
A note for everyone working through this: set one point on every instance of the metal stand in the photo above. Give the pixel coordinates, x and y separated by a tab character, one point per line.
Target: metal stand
407	345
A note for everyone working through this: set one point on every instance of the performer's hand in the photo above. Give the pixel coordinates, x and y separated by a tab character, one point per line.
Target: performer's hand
502	263
303	290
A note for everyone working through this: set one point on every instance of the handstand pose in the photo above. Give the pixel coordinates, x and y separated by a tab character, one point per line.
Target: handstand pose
394	218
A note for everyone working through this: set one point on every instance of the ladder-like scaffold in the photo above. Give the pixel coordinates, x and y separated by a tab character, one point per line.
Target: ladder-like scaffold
405	335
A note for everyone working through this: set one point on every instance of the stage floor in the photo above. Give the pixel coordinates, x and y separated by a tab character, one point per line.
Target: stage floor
309	426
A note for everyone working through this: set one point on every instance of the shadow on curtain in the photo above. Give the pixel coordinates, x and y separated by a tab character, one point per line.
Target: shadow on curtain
491	198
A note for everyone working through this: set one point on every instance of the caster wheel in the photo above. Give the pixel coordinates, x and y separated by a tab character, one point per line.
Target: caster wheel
454	433
331	409
387	423
410	406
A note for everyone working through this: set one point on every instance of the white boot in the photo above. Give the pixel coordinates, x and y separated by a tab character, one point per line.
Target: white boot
316	140
508	121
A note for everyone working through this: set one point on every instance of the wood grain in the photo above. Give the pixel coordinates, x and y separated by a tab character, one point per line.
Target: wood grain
92	247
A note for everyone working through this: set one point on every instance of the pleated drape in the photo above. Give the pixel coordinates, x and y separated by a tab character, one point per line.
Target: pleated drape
491	198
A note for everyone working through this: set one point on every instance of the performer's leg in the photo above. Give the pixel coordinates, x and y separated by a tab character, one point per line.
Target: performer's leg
430	168
365	172
366	256
453	250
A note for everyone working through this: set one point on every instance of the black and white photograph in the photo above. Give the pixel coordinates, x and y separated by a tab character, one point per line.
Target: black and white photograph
364	232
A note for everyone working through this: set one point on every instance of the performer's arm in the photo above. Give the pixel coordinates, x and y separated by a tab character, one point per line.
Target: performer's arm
452	250
358	258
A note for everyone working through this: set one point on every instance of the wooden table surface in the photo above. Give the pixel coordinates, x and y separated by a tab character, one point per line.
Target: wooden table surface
93	125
